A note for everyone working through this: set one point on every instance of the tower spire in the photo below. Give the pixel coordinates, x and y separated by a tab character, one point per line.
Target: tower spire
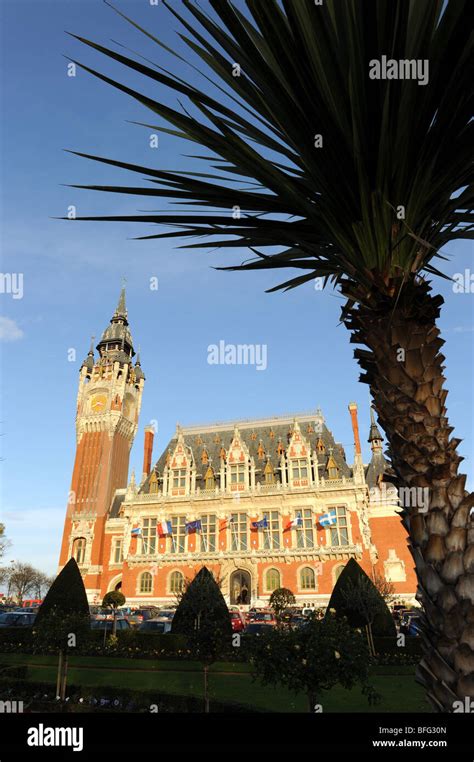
375	437
117	336
121	311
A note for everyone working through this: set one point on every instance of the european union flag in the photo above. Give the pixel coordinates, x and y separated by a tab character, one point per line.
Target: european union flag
193	526
262	524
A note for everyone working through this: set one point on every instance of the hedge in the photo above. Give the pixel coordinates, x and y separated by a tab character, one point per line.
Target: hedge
388	645
129	643
39	697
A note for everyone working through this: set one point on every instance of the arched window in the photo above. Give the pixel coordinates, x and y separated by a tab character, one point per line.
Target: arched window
337	571
176	582
308	579
272	580
146	583
79	549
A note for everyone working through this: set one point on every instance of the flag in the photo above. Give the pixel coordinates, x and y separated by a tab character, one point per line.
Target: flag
136	532
193	526
226	522
262	524
164	527
326	519
298	522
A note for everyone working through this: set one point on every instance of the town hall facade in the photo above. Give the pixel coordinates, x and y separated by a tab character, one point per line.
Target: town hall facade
262	503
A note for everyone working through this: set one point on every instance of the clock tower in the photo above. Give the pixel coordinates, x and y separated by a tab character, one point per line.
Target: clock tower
108	405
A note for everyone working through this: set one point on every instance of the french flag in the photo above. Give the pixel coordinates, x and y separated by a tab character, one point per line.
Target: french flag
164	528
298	522
136	532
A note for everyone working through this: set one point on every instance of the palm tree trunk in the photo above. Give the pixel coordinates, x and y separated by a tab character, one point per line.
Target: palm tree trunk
404	368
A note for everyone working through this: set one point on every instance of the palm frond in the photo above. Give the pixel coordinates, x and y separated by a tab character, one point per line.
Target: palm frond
387	144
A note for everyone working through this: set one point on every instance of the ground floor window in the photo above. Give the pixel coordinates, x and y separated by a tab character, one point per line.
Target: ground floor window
146	583
272	580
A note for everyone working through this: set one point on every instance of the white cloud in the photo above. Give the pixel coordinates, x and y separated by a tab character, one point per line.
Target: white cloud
9	330
463	329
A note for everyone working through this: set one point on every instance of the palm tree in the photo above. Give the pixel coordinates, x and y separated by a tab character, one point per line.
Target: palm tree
320	162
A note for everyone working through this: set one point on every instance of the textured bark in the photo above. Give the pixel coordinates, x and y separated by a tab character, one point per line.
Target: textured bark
408	395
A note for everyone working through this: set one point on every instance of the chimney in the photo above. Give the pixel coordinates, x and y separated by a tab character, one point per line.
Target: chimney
355	426
148	449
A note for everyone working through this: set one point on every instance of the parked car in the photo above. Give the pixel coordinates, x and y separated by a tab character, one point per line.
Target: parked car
414	626
264	617
410	624
237	621
156	625
142	615
17	619
107	624
258	628
165	614
298	621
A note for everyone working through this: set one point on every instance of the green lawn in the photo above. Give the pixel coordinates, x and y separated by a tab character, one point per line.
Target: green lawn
396	684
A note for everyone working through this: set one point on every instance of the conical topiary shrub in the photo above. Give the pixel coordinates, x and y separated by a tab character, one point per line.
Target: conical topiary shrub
203	616
63	620
66	595
353	578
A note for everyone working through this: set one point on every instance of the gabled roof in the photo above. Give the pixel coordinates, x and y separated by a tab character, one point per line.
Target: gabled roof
258	434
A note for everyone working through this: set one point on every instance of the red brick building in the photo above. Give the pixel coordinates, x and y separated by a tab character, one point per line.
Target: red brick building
262	503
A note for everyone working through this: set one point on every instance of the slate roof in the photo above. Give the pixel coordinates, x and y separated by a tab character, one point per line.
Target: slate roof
377	466
253	434
118	330
117	501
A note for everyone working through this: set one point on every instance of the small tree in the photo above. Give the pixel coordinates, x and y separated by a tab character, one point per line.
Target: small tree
63	619
280	599
313	658
385	588
202	615
363	598
21	579
113	600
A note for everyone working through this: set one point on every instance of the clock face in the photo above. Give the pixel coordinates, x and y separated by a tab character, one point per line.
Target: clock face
98	403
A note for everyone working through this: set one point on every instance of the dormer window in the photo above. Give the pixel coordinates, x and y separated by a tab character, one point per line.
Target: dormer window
299	468
261	451
269	474
320	446
204	457
237	473
179	478
209	479
332	469
153	482
223	453
280	448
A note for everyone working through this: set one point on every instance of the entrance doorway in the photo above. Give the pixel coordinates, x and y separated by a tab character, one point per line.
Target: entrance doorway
240	588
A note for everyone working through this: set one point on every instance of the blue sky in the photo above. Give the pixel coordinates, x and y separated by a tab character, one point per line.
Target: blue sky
72	275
